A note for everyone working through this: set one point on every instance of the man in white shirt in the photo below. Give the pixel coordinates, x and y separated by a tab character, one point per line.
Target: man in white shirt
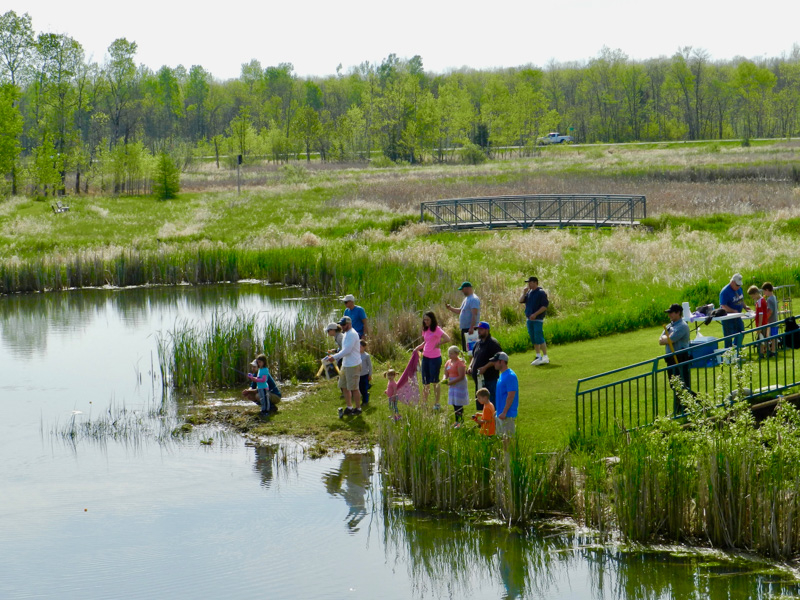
350	372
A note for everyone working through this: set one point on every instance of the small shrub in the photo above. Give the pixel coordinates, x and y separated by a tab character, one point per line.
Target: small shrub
167	178
472	154
381	162
293	173
746	142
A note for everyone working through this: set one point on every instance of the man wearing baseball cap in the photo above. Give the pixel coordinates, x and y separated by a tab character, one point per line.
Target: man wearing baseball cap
535	300
469	313
357	315
731	300
481	368
350	373
676	339
507	394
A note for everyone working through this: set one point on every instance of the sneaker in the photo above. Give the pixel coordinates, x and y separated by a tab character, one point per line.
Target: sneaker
348	411
395	417
437	406
341	412
457	425
537	361
356	411
545	360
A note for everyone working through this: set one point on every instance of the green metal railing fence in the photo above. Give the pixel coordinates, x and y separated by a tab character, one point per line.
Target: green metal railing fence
537	210
635	395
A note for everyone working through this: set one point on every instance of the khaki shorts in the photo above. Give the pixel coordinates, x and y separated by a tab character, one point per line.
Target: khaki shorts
505	426
348	377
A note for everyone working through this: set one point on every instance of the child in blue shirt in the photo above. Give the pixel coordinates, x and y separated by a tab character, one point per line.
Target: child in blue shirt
262	386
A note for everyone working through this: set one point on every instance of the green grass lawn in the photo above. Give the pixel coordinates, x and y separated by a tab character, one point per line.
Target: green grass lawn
547	395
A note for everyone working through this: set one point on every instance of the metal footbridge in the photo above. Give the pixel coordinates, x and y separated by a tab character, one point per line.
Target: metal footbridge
535	210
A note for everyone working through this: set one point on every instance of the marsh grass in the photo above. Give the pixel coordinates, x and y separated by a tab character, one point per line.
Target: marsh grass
439	467
720	478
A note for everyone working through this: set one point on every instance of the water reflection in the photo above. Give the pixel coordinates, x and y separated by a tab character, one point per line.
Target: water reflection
351	481
449	557
27	320
264	463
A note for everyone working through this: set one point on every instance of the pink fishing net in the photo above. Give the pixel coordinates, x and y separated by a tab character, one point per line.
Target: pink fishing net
407	387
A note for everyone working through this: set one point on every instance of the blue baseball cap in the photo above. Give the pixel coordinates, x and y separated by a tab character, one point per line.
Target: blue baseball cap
483	325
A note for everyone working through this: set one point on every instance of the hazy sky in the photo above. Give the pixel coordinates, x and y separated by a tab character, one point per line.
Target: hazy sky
316	36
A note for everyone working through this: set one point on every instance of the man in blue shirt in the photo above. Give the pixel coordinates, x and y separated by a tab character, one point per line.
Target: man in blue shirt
731	300
469	313
358	316
535	300
506	395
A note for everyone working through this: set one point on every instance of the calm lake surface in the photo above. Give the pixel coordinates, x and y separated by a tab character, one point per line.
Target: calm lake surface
135	518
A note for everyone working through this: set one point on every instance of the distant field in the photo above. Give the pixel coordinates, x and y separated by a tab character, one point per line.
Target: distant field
714	208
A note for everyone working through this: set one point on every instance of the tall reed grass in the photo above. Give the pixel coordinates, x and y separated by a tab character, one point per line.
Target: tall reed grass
443	468
721	478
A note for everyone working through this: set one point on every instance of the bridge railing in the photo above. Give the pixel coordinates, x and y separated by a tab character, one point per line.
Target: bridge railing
635	395
536	210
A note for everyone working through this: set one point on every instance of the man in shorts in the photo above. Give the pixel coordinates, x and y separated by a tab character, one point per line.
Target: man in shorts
350	372
507	395
535	300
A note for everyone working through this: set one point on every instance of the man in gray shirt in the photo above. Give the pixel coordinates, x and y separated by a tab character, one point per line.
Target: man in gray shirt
676	339
469	313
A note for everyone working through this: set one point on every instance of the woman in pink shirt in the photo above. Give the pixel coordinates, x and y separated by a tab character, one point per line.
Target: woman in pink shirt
433	336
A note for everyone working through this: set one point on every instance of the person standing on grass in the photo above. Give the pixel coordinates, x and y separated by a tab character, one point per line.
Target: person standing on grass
535	300
731	300
457	391
350	372
366	374
772	319
481	367
432	337
357	315
469	313
677	333
507	394
484	417
762	317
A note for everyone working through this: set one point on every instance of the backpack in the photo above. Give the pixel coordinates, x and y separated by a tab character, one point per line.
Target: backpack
792	339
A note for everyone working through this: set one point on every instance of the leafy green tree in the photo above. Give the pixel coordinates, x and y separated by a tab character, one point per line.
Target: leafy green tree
308	128
167	178
120	75
16	45
10	129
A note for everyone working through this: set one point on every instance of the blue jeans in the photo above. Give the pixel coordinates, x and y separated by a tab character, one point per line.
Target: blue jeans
263	394
489	384
536	332
730	327
363	387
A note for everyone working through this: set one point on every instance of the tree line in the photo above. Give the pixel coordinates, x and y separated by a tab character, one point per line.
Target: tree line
104	123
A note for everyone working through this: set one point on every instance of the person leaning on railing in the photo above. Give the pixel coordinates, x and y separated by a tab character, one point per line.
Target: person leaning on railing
676	340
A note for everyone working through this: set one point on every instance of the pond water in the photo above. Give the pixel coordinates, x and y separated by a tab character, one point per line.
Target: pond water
135	518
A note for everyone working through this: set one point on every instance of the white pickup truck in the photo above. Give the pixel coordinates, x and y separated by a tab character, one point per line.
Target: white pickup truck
554	138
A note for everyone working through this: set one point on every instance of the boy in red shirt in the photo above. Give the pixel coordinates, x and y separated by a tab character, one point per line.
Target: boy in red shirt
486	418
762	315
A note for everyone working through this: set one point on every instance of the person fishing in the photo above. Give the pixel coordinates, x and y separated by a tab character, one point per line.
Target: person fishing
676	340
251	393
261	383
